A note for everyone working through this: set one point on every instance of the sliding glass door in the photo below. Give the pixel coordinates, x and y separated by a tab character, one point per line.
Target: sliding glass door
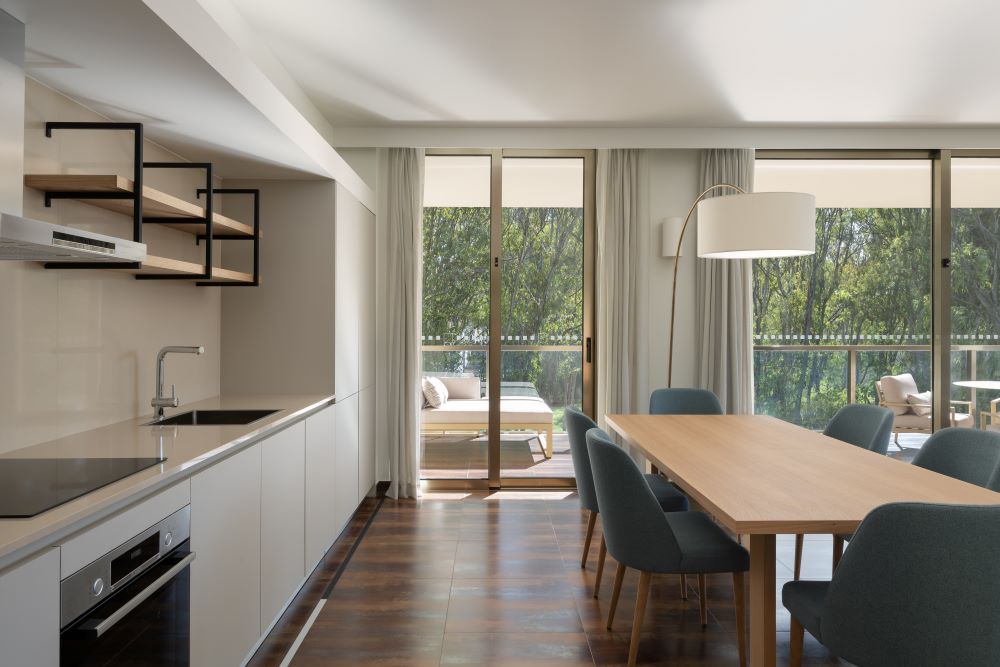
542	305
975	288
829	327
906	279
508	248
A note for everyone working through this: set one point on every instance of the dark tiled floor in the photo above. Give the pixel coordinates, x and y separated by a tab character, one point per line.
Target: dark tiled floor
474	579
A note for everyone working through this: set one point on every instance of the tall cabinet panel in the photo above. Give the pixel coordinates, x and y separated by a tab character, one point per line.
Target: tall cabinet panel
321	526
345	469
366	441
350	264
366	319
282	521
225	576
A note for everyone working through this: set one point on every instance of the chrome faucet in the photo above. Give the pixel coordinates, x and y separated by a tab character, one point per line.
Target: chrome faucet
160	401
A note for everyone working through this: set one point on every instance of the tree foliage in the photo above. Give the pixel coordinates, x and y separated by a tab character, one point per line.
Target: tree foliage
867	284
541	300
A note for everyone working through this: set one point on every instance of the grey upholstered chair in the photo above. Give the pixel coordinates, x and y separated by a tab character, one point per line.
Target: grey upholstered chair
901	599
669	498
684	402
963	453
865	426
640	535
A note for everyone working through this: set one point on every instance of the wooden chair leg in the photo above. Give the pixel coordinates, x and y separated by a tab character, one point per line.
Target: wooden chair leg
615	592
590	536
645	578
684	587
838	551
601	555
739	602
795	640
799	539
702	600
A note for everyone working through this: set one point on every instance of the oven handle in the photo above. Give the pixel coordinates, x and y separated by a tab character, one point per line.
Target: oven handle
143	595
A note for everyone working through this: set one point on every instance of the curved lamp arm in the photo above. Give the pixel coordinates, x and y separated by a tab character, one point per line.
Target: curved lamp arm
677	263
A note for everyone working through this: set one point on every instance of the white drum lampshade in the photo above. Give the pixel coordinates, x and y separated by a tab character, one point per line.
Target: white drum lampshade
755	225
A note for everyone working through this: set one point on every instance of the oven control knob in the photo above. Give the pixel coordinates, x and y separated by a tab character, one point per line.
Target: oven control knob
97	587
168	539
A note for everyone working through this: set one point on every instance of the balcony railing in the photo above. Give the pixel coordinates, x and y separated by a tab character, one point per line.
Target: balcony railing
965	358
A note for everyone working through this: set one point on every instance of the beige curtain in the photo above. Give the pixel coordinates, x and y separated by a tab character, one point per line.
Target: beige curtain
399	217
618	265
724	300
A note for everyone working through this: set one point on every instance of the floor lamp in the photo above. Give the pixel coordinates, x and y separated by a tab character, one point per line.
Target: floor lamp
746	226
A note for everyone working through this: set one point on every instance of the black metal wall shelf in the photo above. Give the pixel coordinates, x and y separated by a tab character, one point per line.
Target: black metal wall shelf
146	205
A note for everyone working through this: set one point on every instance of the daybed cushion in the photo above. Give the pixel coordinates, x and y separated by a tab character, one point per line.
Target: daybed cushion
921	403
434	391
513	410
896	388
461	387
924	421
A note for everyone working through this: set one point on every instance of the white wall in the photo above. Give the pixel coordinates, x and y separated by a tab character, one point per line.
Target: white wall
278	338
77	348
669	184
362	161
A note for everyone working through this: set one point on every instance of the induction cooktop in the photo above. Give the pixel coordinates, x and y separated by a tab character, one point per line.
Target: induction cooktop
31	486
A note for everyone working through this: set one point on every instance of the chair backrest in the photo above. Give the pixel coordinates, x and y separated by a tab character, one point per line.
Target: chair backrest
684	402
577	425
963	453
635	530
878	391
866	426
918	586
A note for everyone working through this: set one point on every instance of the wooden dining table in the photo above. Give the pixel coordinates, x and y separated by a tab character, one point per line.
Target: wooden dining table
762	477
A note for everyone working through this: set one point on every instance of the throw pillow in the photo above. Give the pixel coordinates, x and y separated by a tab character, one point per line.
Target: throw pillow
921	402
434	391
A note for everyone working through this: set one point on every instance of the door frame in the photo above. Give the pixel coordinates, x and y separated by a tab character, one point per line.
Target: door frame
494	479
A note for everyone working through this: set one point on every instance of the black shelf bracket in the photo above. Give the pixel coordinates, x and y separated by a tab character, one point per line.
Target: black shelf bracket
255	193
135	195
207	270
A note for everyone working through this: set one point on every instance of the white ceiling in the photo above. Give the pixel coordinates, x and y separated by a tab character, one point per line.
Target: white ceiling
119	59
641	63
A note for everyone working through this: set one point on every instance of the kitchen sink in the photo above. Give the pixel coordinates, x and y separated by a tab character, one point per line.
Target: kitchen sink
213	418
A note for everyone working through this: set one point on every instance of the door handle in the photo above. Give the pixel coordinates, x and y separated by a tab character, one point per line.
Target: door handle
589	349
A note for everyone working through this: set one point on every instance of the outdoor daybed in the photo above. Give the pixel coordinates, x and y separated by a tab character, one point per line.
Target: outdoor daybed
465	410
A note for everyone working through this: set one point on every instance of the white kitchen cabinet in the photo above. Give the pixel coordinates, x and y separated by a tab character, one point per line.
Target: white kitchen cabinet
226	574
29	612
345	467
282	519
366	441
319	481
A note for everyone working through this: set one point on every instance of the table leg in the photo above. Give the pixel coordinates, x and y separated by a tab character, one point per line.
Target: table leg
762	601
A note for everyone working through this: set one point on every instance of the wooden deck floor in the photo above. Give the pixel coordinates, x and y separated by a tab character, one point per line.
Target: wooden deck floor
457	456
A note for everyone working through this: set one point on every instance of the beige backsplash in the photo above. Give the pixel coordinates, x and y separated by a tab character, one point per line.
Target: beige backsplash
77	348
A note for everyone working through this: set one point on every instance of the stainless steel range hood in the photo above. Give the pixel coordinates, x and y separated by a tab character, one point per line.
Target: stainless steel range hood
36	241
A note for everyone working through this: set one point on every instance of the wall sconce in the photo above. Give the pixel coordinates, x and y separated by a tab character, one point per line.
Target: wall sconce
670	232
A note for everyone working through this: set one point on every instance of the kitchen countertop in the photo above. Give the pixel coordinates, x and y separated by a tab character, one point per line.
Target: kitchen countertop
187	449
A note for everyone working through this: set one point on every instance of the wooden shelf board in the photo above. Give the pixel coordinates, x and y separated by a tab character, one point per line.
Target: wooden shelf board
166	266
155	203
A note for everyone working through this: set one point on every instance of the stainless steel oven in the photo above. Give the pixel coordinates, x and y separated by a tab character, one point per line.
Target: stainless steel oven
132	605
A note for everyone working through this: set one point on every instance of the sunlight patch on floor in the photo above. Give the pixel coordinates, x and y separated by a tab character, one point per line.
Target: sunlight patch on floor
444	495
530	495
